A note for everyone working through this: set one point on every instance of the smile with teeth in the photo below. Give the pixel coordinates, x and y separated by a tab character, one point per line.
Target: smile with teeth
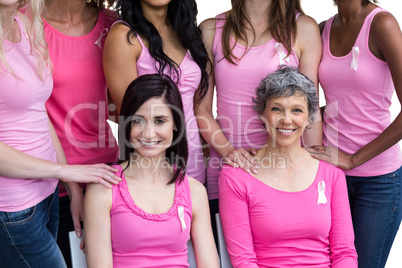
282	130
149	143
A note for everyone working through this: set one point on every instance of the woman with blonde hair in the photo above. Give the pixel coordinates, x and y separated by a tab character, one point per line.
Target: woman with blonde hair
32	158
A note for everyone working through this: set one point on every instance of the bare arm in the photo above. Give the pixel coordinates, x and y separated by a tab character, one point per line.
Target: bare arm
387	40
201	231
119	62
308	43
98	244
74	191
209	127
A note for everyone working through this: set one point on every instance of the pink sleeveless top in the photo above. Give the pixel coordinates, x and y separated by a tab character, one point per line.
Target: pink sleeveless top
78	106
141	239
235	88
24	124
358	89
190	77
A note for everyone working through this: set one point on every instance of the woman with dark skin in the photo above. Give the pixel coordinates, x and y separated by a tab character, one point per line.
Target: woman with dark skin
362	45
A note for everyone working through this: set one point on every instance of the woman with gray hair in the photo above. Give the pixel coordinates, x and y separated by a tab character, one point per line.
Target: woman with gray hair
295	211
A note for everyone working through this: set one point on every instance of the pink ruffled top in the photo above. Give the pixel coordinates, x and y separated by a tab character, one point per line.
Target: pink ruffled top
141	239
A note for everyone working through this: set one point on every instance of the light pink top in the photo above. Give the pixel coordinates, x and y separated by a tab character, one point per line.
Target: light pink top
266	227
358	100
24	124
78	106
235	87
141	239
190	77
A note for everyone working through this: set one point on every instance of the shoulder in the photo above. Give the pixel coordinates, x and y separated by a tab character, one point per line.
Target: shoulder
98	195
383	23
109	16
330	172
196	188
117	38
208	24
207	28
322	26
306	24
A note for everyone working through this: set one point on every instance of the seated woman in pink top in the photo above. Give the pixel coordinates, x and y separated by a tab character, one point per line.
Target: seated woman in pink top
32	159
295	211
147	220
160	37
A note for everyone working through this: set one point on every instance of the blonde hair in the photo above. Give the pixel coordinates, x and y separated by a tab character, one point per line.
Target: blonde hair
34	28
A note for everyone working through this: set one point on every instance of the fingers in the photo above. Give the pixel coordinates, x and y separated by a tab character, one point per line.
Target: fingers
82	244
77	226
243	159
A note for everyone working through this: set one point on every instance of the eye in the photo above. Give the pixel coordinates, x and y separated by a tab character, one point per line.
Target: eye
137	121
159	121
297	110
275	109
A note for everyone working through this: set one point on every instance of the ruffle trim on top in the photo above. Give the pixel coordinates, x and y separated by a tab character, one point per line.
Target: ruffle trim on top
173	211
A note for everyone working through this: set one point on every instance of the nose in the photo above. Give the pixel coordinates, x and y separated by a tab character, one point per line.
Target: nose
148	131
286	118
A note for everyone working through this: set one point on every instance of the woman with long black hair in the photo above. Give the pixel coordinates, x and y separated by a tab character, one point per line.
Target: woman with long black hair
160	37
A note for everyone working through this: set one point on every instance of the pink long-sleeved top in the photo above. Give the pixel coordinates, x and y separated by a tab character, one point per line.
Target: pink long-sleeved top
266	227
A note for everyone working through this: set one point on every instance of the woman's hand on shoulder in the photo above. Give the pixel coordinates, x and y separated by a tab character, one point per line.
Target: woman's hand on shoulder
243	158
201	231
97	173
333	156
120	57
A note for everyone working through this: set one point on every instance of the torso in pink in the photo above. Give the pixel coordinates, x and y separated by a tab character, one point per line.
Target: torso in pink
24	122
358	89
141	239
78	106
235	88
190	77
267	227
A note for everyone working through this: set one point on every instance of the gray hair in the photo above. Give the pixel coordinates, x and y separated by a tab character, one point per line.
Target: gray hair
286	82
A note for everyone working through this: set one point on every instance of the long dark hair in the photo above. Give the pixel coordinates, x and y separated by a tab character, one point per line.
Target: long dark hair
138	92
282	25
182	14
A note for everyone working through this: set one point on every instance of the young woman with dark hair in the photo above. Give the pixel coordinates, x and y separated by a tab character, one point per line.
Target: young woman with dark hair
160	37
361	68
147	219
245	44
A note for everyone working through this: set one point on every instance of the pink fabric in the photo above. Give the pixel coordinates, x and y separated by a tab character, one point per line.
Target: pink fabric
141	239
235	87
24	123
78	106
189	81
266	227
358	104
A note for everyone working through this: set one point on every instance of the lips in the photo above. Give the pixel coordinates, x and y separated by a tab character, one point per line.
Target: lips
149	143
285	131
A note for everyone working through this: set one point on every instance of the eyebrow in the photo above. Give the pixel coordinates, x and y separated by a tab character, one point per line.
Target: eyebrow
160	117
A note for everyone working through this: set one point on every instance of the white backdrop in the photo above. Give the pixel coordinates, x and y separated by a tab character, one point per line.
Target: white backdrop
321	10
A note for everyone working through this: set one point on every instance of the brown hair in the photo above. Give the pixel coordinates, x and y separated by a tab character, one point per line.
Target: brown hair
282	25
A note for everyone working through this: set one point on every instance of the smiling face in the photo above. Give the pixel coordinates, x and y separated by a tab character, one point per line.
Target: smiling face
286	119
152	128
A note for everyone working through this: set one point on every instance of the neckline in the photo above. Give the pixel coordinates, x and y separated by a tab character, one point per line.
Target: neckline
286	192
253	47
22	34
355	42
124	191
98	21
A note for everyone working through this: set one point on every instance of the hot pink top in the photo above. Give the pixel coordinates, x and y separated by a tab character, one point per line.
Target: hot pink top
190	77
358	89
266	227
235	87
141	239
78	106
24	124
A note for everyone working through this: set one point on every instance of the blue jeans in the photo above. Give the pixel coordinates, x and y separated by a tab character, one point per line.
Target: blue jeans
28	237
376	206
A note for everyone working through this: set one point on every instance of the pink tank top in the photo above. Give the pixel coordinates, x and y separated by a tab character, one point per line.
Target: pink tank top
78	106
24	123
141	239
235	88
190	77
358	89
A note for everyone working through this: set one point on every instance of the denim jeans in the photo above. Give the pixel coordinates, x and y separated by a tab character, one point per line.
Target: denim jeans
28	237
376	209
